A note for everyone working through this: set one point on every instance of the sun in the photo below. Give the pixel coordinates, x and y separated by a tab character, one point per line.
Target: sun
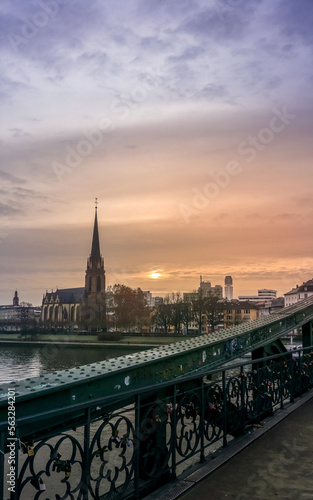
155	275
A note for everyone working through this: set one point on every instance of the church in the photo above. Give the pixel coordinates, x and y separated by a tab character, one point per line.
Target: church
83	306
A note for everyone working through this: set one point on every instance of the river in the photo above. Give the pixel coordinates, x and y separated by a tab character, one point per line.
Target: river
21	361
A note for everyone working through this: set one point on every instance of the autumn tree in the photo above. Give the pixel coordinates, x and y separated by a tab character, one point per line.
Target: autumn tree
198	308
162	315
213	308
130	307
187	313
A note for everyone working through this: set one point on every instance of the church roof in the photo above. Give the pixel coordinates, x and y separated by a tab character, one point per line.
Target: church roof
67	295
70	295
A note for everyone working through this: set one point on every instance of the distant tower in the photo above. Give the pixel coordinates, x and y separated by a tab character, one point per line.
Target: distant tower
205	286
95	273
228	290
15	299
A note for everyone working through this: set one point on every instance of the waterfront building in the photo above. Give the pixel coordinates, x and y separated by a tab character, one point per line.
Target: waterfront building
299	293
16	315
263	294
237	312
267	307
83	305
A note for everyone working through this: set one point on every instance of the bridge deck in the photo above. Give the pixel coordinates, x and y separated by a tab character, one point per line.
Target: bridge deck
119	378
277	465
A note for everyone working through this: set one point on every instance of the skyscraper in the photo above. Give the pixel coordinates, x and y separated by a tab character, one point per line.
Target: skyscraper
228	289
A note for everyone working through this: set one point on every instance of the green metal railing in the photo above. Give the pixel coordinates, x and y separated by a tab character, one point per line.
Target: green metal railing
112	429
105	453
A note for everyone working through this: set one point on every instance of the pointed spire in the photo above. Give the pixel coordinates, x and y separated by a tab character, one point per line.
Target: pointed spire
15	299
95	255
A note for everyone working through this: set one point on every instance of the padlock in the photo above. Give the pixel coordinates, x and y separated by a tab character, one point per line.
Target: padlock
42	486
169	408
23	448
115	438
125	441
38	483
67	470
30	451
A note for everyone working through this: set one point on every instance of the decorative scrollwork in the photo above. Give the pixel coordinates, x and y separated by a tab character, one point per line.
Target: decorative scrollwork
213	413
56	466
111	456
188	424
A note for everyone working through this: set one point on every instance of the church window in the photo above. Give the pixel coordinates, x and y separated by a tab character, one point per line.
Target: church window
72	313
99	284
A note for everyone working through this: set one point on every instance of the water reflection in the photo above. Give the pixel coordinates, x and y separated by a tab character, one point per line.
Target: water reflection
21	361
18	363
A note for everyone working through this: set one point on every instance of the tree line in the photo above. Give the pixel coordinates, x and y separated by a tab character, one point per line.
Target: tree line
178	313
130	311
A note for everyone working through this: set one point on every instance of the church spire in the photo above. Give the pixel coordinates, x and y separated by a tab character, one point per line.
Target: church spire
95	255
95	273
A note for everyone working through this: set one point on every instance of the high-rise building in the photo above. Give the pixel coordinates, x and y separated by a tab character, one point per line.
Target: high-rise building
228	289
206	288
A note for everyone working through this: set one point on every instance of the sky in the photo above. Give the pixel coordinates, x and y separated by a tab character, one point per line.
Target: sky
190	121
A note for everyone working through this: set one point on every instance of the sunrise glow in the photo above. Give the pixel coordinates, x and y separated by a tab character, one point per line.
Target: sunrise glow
155	275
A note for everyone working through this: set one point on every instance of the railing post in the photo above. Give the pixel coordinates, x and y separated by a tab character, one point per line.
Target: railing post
173	432
292	380
202	459
281	385
86	468
243	398
137	448
258	396
307	334
300	369
225	410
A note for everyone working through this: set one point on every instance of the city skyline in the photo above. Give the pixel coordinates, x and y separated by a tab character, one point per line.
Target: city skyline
191	124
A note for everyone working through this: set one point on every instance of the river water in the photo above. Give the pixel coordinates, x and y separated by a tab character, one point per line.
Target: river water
21	361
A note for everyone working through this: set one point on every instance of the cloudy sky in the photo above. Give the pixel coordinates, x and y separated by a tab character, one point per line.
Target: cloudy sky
190	121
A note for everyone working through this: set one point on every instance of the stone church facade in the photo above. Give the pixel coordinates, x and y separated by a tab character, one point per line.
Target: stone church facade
83	306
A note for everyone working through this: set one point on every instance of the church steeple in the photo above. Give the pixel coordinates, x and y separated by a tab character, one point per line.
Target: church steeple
15	299
95	255
95	273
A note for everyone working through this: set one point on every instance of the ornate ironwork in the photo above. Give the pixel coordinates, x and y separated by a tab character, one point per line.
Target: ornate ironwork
107	454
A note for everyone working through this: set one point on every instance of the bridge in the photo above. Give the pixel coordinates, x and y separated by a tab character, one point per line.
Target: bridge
115	428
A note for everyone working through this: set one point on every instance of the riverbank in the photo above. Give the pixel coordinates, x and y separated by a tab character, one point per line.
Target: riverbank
88	340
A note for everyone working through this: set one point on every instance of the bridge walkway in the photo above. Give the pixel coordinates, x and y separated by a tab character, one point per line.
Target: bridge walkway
277	465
